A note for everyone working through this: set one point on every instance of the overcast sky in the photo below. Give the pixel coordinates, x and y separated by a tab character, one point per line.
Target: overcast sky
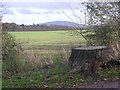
41	11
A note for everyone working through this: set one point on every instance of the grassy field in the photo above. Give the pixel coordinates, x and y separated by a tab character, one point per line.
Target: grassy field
48	38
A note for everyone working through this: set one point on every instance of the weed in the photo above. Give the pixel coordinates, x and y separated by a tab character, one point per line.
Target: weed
118	56
112	72
89	78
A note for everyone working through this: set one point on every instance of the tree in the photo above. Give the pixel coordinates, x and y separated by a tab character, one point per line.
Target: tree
43	26
105	19
13	26
22	25
6	27
9	27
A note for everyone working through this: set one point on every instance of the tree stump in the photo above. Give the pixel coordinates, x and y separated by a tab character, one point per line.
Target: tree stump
88	59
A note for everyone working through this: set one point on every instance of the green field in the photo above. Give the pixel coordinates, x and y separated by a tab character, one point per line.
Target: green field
57	38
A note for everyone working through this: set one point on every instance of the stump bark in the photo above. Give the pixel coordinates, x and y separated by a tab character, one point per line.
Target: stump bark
88	59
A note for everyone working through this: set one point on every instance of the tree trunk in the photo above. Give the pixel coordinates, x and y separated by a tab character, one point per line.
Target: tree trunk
88	58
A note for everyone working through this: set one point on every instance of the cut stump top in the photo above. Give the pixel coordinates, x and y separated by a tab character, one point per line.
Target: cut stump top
91	48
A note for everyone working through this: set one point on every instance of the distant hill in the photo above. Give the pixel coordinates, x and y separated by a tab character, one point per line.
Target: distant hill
63	23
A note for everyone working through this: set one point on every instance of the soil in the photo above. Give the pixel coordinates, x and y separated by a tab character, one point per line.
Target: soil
103	84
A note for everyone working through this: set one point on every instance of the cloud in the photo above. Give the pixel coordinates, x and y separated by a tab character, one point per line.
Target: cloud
43	5
39	12
7	11
46	1
36	11
60	1
10	12
25	11
51	11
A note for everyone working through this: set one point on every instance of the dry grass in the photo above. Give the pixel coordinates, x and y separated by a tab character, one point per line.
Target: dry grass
45	57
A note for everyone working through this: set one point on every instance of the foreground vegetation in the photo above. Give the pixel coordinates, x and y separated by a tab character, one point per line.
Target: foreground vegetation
44	68
55	77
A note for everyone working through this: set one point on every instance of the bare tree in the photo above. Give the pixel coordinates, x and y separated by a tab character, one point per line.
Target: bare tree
78	19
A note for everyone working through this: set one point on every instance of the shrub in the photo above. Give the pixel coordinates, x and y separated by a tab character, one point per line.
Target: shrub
8	45
10	53
104	35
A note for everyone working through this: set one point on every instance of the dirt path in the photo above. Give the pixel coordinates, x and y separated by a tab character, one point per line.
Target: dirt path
103	84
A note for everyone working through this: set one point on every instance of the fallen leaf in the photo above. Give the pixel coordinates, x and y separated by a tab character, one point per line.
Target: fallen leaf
35	78
31	80
45	86
55	83
11	82
105	79
20	77
13	86
74	85
80	84
48	79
